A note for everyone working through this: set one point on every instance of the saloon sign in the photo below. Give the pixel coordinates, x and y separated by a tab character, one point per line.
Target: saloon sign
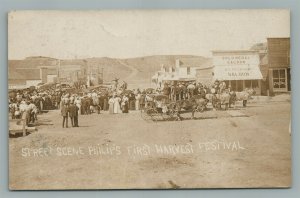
242	65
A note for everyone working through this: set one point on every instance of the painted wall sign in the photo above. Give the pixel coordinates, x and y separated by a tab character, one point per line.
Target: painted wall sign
236	66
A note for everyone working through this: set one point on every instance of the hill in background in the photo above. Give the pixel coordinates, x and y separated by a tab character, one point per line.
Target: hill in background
135	71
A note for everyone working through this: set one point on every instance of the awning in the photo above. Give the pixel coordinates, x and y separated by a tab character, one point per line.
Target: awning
237	72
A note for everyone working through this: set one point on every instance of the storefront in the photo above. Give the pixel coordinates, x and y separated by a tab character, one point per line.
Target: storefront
239	69
278	61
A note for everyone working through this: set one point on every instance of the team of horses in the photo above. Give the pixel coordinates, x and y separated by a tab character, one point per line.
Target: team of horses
198	103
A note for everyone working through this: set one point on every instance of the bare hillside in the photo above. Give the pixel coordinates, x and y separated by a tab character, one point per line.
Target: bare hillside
135	71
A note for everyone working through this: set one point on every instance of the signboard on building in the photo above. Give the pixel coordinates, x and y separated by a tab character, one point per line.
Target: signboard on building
236	65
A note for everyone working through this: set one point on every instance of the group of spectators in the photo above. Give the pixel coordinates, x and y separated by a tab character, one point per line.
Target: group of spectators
114	102
28	104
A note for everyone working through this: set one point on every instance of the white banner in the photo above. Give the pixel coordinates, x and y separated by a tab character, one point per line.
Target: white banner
240	72
236	59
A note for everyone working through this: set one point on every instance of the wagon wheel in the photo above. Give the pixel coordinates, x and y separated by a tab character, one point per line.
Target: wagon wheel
196	111
149	114
200	109
154	114
145	114
173	111
164	116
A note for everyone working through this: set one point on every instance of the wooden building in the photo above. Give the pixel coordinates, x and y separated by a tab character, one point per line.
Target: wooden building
278	64
265	67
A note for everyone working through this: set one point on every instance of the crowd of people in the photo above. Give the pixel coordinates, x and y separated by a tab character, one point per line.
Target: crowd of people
28	104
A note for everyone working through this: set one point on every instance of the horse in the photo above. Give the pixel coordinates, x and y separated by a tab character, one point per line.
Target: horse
212	99
198	104
219	99
244	96
223	99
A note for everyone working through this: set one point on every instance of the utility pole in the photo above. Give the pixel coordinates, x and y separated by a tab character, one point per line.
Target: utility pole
88	74
102	73
98	74
58	71
91	73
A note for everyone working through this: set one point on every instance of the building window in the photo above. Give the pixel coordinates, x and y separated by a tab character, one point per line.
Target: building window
279	79
188	69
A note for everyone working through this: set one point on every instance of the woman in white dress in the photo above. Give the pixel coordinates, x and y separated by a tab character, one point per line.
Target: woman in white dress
117	107
111	102
137	101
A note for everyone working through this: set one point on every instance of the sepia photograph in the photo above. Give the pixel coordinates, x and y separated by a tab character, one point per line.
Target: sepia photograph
149	99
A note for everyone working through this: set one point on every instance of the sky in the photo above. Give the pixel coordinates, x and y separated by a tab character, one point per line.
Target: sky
136	33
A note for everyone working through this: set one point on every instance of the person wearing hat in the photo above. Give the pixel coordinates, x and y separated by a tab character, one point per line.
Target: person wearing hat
222	87
27	112
73	114
111	102
142	101
196	90
202	92
167	90
117	107
64	113
124	104
32	112
137	100
131	101
19	97
216	86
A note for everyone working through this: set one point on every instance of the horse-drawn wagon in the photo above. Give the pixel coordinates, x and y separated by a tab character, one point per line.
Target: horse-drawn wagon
158	107
161	107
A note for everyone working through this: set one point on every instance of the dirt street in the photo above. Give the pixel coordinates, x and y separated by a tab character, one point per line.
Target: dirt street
125	151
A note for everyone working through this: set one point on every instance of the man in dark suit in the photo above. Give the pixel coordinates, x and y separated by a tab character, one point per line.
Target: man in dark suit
76	117
73	109
64	113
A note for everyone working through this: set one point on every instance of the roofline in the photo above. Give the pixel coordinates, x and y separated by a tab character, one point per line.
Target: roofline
41	57
25	79
62	65
279	38
233	51
26	68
